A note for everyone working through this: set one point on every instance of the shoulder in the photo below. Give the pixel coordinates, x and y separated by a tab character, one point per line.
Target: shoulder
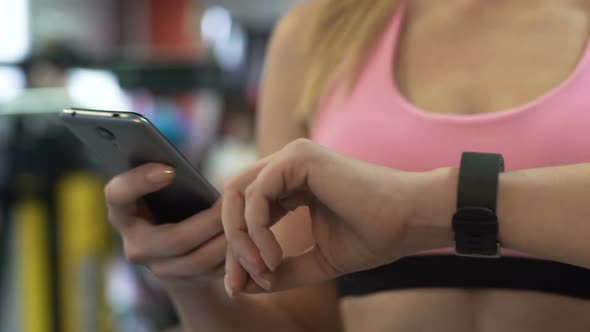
287	55
285	72
300	14
289	30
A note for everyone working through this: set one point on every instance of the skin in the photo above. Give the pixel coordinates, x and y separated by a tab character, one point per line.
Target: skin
406	212
189	256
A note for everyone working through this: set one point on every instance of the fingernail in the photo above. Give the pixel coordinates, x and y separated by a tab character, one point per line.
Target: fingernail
268	262
230	292
265	282
160	175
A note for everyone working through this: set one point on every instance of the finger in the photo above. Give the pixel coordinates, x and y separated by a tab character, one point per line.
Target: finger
235	229
235	276
279	180
241	181
204	261
237	279
183	237
257	272
145	241
282	176
253	288
307	269
243	255
257	216
233	224
270	250
127	188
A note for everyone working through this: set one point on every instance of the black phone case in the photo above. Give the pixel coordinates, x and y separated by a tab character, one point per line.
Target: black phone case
135	141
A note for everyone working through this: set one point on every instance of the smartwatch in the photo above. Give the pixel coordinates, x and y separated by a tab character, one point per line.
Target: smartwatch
475	223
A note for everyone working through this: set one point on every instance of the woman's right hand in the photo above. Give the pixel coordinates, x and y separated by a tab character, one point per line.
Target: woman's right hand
187	253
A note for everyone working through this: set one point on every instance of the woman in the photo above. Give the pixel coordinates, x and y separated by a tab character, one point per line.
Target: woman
408	85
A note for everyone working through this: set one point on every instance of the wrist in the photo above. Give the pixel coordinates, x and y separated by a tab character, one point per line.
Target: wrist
197	305
191	297
432	209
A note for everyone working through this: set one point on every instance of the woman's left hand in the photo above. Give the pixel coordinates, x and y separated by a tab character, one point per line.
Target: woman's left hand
363	216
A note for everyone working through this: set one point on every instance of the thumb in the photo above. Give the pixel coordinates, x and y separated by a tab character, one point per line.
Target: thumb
311	267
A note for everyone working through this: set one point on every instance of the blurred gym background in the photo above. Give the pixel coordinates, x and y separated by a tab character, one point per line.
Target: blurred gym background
191	66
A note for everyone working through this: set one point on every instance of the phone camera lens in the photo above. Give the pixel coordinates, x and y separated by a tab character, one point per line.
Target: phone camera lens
105	133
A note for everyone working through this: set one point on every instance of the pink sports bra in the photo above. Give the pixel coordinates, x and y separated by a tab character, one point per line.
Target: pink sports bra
377	124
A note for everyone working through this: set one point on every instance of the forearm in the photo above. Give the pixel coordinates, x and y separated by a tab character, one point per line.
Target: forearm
544	212
210	309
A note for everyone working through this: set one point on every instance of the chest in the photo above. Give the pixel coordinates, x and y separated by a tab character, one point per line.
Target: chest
449	72
473	59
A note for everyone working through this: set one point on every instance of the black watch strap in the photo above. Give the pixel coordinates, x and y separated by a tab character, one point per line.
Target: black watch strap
475	223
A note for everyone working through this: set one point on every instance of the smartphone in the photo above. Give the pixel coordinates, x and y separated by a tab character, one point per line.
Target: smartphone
121	141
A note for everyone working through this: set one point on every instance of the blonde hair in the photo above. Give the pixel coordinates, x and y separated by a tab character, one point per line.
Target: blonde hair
337	39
